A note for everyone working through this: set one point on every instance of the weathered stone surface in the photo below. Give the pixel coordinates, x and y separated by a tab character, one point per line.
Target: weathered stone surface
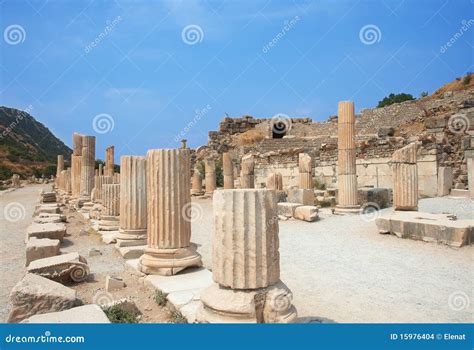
298	195
470	173
445	180
306	213
64	267
247	167
47	209
109	161
87	165
245	242
76	166
305	163
228	171
287	209
46	218
169	249
41	248
36	295
427	227
405	178
274	182
51	231
133	199
132	252
59	167
196	187
82	314
99	186
113	283
210	177
380	197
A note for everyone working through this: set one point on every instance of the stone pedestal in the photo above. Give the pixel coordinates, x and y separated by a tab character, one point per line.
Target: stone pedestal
210	169
87	165
133	195
247	172
346	161
109	220
445	180
246	261
405	178
109	161
169	249
196	189
305	163
228	170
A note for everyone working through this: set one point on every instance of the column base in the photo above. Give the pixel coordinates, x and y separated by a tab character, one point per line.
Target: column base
108	223
348	209
265	305
131	238
168	262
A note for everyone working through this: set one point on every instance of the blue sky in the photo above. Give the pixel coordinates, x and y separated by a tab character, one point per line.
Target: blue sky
157	66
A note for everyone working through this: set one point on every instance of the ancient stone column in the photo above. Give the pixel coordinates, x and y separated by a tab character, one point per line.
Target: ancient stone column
109	220
101	170
405	178
246	261
67	182
274	182
210	169
196	186
76	168
109	161
346	161
169	249
132	231
183	144
16	181
305	163
87	165
59	167
247	172
228	170
99	187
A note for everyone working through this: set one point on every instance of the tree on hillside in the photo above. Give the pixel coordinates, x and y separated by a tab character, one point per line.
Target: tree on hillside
392	98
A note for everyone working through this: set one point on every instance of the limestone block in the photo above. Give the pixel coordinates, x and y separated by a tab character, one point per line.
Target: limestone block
83	314
113	283
61	268
37	295
445	180
287	209
41	248
378	196
306	213
51	231
303	196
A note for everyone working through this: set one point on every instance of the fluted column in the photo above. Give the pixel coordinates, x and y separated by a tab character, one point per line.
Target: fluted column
346	161
305	163
405	178
246	261
99	187
109	161
76	167
87	165
228	170
109	220
133	203
67	182
274	182
210	170
196	186
247	172
168	220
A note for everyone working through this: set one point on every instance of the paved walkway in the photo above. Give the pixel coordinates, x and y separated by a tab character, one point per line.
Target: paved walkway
16	210
341	269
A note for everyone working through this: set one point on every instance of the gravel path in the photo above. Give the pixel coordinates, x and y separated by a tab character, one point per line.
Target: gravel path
16	210
341	270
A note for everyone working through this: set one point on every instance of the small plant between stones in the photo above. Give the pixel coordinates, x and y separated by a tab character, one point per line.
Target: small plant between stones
177	317
160	298
119	315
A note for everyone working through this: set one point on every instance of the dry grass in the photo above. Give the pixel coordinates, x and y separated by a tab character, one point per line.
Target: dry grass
250	137
455	85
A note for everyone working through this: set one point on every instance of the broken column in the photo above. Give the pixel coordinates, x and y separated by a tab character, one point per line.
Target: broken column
246	261
405	178
16	181
228	170
67	181
210	169
132	231
196	186
59	167
109	220
76	160
346	159
87	165
169	248
183	144
306	171
274	182
99	187
109	161
445	180
247	172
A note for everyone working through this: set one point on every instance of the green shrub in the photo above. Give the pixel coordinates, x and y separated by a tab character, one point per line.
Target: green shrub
319	185
392	98
177	317
467	79
118	315
160	298
424	94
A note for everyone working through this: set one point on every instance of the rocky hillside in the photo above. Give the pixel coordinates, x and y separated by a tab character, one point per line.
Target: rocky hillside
27	147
